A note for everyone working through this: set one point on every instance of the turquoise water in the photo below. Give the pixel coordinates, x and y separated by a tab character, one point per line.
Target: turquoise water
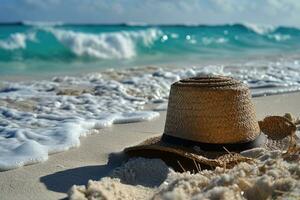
37	49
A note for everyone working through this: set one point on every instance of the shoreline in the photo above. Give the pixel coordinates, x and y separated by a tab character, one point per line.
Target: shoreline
53	178
269	90
262	62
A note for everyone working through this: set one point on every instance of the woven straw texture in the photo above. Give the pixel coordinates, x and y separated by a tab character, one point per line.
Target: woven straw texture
212	109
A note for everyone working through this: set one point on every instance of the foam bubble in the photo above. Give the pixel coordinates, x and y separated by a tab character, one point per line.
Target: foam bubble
212	40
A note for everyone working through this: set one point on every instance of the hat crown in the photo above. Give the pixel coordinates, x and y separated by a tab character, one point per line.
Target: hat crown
211	109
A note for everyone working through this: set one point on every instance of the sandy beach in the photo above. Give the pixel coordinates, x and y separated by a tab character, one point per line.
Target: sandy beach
93	159
91	90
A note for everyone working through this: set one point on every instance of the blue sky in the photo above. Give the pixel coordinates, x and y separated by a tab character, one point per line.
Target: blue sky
274	12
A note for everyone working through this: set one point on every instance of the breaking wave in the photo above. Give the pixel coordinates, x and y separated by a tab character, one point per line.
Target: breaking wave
106	45
17	41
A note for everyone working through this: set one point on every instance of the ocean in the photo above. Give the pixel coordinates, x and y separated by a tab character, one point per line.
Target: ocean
37	49
76	79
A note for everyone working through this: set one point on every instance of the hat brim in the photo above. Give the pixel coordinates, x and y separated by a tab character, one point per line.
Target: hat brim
182	158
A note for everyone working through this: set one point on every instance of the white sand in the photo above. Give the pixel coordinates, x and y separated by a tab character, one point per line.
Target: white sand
270	177
52	179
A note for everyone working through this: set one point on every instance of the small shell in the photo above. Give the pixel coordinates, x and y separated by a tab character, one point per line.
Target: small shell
277	127
293	119
289	116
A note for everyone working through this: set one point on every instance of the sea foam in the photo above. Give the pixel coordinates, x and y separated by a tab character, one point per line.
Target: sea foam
38	118
17	41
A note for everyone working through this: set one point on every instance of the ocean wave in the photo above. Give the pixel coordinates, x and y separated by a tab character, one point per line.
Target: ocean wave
279	37
17	41
135	42
119	45
260	29
267	30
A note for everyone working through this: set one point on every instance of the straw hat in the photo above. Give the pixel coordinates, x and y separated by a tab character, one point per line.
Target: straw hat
209	120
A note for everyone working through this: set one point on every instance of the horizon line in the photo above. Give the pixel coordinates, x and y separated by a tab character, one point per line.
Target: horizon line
58	23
